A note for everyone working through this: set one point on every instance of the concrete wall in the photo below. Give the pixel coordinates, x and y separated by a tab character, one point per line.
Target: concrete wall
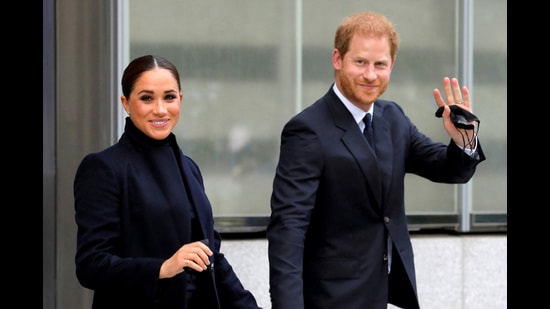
453	271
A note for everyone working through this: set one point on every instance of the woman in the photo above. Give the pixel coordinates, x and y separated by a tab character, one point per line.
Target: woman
146	236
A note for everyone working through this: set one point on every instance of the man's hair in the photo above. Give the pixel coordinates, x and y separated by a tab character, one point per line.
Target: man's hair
365	23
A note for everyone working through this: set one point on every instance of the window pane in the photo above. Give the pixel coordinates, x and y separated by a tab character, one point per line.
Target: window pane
490	105
244	75
236	62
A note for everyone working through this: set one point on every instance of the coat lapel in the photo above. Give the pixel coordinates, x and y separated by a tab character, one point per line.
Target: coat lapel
197	195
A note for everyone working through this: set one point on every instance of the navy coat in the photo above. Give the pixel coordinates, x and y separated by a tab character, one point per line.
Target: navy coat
334	202
130	202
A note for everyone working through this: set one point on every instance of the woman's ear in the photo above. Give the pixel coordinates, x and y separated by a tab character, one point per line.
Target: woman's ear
124	104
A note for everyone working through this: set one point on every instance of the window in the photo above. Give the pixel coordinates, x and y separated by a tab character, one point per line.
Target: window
248	66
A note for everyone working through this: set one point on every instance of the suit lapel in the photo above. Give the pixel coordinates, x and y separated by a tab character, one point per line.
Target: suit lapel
354	140
366	159
384	149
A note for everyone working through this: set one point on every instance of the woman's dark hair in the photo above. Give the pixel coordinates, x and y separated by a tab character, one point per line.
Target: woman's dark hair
141	64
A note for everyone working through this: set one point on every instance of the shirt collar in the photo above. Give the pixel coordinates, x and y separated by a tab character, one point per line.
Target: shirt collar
357	113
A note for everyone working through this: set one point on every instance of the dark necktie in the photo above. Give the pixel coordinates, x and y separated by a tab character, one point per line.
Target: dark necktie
368	130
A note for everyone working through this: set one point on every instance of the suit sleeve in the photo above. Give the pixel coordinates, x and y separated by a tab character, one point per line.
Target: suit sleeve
292	201
439	162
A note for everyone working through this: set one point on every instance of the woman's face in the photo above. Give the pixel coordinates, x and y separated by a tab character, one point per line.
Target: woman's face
154	103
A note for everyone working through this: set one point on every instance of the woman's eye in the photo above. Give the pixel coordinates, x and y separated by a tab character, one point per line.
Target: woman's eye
146	98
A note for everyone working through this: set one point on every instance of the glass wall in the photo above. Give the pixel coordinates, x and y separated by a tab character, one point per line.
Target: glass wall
248	66
489	198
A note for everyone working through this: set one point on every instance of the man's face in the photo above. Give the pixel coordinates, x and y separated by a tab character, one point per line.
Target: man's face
363	74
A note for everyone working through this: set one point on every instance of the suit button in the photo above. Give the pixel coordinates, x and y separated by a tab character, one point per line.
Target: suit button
385	257
386	219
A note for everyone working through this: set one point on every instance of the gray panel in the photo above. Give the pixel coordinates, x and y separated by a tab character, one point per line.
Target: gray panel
48	155
85	120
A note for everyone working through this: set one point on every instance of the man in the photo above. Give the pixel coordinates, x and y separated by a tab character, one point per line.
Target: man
338	235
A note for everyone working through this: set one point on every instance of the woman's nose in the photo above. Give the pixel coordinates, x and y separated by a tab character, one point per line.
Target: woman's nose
160	107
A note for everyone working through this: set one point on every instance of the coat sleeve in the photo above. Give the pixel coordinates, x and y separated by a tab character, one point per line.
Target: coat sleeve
97	203
230	291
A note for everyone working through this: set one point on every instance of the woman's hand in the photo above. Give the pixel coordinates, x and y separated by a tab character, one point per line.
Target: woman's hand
192	255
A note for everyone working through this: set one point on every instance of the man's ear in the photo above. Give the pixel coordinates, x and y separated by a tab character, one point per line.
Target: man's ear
336	59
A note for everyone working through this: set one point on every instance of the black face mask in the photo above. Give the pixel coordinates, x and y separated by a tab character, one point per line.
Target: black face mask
460	117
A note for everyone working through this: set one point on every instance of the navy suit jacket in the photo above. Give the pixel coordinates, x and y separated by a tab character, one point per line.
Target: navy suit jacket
335	201
130	202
